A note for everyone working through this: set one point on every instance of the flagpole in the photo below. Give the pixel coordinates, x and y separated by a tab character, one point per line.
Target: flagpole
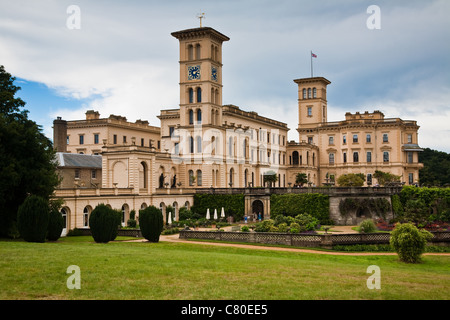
311	66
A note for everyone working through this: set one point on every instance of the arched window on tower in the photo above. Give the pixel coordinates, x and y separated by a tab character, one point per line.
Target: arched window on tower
199	116
199	94
304	93
199	144
191	95
197	52
314	93
191	116
309	93
190	52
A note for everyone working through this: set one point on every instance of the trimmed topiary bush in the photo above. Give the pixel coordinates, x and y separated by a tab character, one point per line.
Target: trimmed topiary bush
32	219
55	225
103	223
409	242
151	223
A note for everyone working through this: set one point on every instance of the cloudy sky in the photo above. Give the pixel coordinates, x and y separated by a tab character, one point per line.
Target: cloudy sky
122	59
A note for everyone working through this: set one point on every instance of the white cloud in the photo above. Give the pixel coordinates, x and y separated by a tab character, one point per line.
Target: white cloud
124	61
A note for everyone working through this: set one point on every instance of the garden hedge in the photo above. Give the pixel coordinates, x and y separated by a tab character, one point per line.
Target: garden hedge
233	204
314	204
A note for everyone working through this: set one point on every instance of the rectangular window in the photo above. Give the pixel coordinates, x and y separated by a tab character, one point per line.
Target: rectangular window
411	178
355	138
171	130
77	173
355	157
368	138
81	139
142	142
345	157
96	138
331	158
344	139
385	156
331	140
159	144
309	111
67	140
310	140
94	174
410	157
385	137
409	138
115	139
124	139
369	156
369	179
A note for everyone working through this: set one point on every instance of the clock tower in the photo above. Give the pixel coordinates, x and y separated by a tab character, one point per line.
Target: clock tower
200	76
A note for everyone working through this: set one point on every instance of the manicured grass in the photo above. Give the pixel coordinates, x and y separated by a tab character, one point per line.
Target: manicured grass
173	271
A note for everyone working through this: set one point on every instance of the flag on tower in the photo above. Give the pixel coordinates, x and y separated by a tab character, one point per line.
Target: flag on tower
313	55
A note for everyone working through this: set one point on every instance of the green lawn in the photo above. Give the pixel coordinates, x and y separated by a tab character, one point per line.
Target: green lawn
124	270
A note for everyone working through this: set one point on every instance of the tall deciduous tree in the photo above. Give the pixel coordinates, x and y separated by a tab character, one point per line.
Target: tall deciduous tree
27	158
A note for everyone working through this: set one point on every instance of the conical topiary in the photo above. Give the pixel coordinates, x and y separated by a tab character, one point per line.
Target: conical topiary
103	223
151	223
55	225
32	219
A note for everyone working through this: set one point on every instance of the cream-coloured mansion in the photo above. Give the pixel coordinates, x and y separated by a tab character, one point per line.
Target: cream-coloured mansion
204	144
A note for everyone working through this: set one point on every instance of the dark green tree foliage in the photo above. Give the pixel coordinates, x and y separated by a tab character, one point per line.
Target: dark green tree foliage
55	225
436	168
314	204
151	223
32	219
103	223
27	163
233	204
420	204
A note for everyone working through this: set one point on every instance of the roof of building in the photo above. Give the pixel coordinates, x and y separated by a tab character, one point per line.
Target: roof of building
76	160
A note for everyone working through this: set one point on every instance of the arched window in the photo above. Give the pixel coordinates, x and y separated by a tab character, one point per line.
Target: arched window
190	52
304	93
231	177
309	93
191	178
213	98
199	144
217	97
191	116
197	52
314	93
199	94
191	144
199	116
86	213
295	158
199	178
191	95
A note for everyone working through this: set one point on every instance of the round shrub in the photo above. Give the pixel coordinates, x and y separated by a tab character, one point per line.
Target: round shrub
32	219
367	226
55	225
151	223
103	223
409	242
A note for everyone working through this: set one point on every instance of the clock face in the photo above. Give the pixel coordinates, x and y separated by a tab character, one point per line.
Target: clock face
214	73
193	72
